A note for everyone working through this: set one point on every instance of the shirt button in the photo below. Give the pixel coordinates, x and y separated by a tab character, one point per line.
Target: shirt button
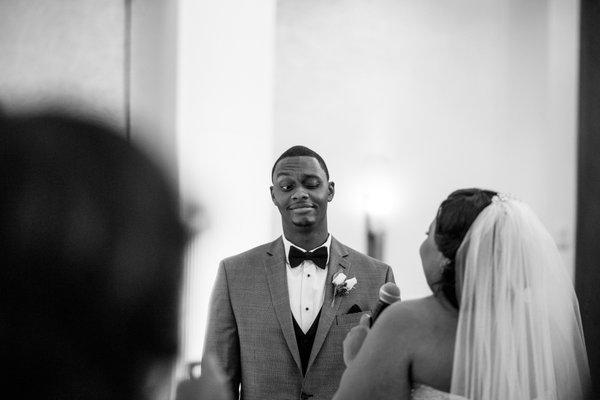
306	308
309	275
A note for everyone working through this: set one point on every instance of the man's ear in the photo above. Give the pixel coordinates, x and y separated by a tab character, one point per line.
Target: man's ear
272	195
331	187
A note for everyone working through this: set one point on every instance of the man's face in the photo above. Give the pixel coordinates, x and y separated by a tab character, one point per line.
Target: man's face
301	192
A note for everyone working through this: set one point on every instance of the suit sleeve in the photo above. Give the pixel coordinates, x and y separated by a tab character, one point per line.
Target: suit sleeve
222	341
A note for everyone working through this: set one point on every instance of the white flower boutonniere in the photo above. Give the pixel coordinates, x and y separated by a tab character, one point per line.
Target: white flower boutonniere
342	285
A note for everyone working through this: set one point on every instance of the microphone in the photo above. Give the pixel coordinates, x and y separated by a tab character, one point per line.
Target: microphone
388	294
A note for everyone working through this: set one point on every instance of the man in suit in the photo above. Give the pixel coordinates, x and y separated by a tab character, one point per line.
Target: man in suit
277	322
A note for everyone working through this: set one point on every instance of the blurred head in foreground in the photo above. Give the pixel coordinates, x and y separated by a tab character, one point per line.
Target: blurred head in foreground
92	245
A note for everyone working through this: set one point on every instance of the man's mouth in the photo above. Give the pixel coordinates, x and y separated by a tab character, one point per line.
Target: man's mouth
301	206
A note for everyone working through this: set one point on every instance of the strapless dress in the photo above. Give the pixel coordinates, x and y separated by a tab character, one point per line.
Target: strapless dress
424	392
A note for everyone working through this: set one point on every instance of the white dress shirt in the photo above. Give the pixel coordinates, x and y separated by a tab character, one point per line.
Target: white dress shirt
306	286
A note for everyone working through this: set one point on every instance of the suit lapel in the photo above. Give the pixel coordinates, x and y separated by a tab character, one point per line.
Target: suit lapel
276	276
337	262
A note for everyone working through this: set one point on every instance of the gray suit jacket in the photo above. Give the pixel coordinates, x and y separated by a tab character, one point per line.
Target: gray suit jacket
250	328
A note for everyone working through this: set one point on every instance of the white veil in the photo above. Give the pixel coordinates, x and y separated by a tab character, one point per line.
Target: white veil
519	334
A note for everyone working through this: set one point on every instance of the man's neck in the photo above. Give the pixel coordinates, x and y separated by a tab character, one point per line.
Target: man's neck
306	240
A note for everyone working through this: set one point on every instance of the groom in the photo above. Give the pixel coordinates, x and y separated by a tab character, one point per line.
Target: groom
277	321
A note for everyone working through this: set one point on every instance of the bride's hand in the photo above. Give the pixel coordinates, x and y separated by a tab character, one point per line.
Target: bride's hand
355	338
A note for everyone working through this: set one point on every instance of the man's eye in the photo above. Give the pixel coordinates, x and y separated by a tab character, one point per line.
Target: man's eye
286	188
312	184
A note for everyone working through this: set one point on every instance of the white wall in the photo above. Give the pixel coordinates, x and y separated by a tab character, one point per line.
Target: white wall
101	57
225	139
152	79
68	53
431	96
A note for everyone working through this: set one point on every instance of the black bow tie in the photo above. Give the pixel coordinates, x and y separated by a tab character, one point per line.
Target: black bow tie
318	256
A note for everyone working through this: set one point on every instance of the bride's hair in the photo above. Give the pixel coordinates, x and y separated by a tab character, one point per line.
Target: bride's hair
454	218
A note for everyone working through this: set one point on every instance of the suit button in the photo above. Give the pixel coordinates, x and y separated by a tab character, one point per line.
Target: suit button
305	396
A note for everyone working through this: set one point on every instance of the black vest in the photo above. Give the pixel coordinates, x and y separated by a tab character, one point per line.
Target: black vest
305	341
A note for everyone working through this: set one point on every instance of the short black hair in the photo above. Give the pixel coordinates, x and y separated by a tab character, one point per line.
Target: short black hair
301	151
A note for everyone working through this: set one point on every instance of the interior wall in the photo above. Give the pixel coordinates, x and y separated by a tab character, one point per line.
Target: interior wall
407	101
152	78
67	53
225	139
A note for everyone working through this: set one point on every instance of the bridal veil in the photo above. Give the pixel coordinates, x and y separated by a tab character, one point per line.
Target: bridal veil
519	333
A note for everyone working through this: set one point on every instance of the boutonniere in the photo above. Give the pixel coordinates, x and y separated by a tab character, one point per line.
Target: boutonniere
342	285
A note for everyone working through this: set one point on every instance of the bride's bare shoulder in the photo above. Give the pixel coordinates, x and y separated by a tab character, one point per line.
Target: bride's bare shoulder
415	315
415	306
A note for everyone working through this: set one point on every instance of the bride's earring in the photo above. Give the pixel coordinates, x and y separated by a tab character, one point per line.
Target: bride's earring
444	265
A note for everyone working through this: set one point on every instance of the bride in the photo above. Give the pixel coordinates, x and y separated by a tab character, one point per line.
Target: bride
503	321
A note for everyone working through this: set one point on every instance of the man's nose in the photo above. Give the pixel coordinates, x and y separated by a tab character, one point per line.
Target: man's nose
299	194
